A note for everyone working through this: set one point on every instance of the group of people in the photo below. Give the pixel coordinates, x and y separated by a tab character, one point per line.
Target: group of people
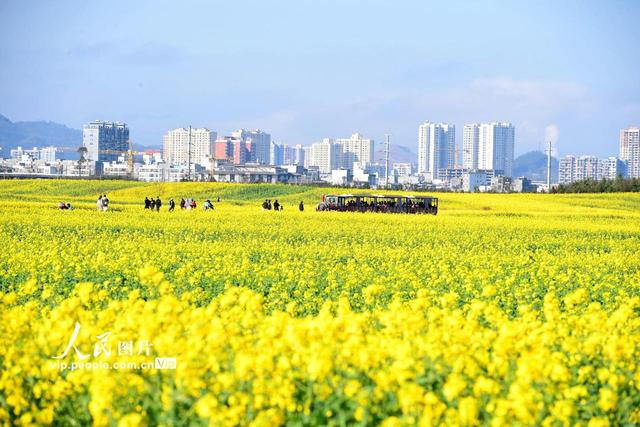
103	203
267	206
381	206
155	204
186	204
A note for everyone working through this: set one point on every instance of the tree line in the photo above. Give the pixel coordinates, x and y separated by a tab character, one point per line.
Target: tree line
590	185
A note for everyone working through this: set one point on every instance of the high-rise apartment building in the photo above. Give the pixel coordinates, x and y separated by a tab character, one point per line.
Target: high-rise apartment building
630	150
356	149
489	146
293	155
105	141
275	154
470	145
258	144
288	155
567	169
613	167
240	151
182	146
496	146
232	149
436	148
299	154
578	168
325	155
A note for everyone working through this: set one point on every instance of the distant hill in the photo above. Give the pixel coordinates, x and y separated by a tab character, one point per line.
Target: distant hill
36	134
533	165
397	154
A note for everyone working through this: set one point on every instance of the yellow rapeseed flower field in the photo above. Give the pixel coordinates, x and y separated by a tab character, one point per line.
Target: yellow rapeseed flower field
501	310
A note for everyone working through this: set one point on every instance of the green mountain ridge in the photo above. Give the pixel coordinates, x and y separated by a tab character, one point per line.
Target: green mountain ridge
533	165
36	134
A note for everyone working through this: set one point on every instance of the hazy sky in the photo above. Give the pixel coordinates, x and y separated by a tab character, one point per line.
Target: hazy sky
304	70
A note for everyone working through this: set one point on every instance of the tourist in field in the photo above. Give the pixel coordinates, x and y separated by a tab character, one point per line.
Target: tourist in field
183	204
152	204
99	203
158	204
265	205
276	205
69	207
147	203
301	206
193	204
207	205
172	205
105	203
62	205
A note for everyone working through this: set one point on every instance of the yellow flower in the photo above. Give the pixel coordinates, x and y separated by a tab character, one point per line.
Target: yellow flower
608	400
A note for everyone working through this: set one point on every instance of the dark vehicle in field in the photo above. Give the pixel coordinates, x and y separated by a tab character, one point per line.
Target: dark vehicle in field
379	203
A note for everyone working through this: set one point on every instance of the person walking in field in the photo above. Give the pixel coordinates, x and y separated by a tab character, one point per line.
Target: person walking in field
158	204
301	206
105	203
183	204
172	205
147	203
99	203
152	204
276	205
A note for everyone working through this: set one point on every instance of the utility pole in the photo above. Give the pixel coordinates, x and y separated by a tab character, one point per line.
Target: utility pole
386	162
189	155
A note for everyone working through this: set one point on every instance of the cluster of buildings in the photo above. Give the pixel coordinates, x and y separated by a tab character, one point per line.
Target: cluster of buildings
485	162
46	161
627	164
487	153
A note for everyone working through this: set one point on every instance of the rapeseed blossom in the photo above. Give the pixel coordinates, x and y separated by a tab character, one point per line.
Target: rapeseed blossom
502	310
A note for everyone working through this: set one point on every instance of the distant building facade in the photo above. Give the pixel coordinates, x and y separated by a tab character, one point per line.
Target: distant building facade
630	150
403	169
474	180
578	168
489	146
470	146
355	149
223	147
436	148
258	144
325	155
523	185
276	154
46	154
105	141
184	145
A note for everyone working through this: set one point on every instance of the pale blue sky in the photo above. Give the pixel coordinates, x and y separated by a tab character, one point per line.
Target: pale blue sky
304	70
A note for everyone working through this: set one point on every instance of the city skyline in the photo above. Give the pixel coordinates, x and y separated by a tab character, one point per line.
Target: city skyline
561	73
